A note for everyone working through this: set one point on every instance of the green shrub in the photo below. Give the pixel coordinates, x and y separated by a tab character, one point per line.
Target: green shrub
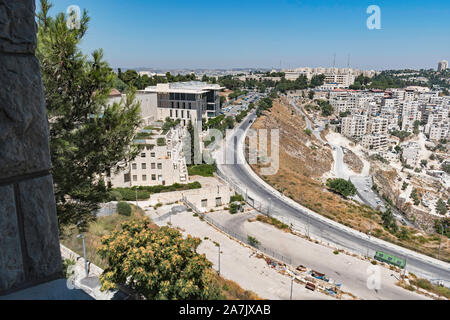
341	186
204	170
161	142
123	208
236	197
253	241
234	207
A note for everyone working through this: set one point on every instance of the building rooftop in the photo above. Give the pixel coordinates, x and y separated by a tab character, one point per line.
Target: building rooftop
196	87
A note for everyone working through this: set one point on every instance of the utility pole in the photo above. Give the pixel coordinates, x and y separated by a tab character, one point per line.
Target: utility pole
136	199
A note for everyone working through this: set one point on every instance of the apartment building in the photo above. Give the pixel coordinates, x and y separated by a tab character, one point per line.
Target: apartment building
160	162
410	114
442	65
343	80
354	127
376	142
439	131
378	126
187	101
410	153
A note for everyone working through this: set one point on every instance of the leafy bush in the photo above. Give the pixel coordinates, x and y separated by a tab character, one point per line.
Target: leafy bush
236	197
158	264
144	192
204	170
341	186
124	209
253	241
161	142
234	207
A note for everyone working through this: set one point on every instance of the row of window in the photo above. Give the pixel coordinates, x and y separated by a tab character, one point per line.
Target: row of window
144	166
188	114
182	96
126	177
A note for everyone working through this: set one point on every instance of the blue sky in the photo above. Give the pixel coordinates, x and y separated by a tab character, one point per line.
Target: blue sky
248	33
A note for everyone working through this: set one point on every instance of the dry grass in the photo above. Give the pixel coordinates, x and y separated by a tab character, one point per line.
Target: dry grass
96	230
233	291
303	161
105	225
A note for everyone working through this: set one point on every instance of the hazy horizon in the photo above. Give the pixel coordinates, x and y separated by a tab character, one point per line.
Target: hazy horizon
234	34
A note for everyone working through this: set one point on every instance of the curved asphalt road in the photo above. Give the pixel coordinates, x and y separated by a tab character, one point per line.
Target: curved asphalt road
240	175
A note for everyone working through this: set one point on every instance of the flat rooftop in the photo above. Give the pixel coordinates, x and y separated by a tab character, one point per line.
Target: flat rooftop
196	87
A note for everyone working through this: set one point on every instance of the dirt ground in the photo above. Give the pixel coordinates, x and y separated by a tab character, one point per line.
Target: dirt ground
239	263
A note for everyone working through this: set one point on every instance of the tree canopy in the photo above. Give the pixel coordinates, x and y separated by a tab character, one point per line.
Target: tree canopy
341	186
157	263
88	136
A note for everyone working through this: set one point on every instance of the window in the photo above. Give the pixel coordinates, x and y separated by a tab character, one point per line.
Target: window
218	201
188	114
204	203
159	166
143	155
126	177
184	105
152	154
190	105
153	177
134	178
171	114
134	166
176	113
144	177
153	165
182	113
144	166
171	105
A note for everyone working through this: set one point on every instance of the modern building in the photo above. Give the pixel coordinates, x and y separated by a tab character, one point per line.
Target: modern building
187	101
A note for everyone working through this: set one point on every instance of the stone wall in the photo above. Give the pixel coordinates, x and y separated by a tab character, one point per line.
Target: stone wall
29	244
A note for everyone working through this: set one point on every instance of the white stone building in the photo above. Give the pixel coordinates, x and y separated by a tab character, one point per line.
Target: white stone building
161	162
354	127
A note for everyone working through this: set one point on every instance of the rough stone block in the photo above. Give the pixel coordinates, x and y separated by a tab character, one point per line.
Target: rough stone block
41	227
17	26
11	267
24	146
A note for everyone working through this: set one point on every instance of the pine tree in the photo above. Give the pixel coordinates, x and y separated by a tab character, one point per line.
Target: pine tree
88	137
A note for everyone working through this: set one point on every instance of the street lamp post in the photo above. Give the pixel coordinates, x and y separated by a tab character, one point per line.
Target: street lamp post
440	240
292	284
370	233
84	253
136	198
218	245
